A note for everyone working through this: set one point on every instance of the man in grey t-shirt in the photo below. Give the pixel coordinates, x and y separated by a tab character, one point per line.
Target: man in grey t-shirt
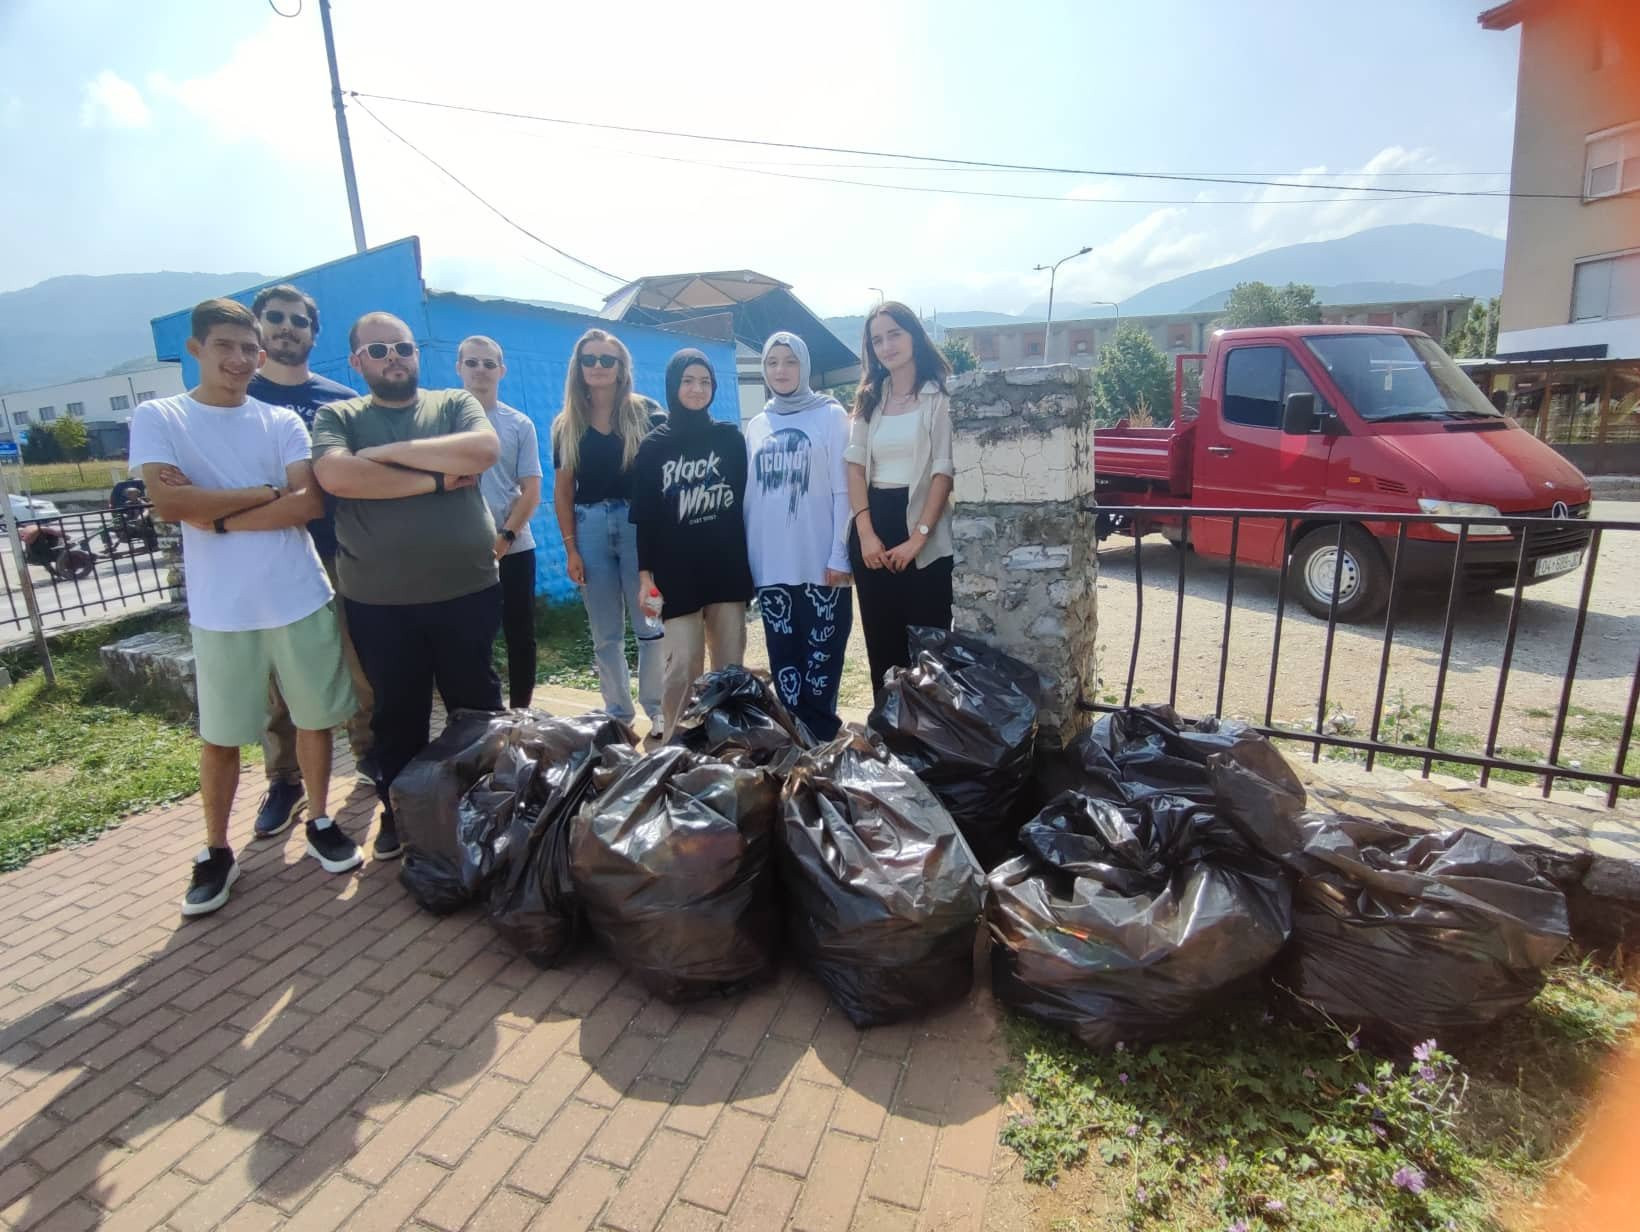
512	490
413	545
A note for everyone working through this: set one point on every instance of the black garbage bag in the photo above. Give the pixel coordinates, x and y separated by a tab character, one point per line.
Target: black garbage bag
1143	751
531	901
1406	935
882	896
449	849
1129	923
673	864
736	710
964	718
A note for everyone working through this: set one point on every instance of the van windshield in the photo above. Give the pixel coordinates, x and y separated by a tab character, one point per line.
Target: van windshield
1399	376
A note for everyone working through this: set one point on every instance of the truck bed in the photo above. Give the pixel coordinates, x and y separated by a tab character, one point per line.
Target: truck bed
1156	455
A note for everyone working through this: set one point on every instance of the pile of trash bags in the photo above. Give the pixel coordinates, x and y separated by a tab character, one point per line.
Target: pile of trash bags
963	717
737	711
673	863
883	895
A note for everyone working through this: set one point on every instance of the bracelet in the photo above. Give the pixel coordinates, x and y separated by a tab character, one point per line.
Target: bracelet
855	517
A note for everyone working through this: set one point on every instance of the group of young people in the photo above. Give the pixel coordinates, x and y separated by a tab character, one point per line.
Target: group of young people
349	554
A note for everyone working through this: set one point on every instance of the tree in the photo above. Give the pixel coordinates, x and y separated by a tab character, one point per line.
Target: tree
72	439
1258	303
1476	336
960	354
43	446
1132	376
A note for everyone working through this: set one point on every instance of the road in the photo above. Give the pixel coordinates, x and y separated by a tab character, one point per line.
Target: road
108	590
1604	669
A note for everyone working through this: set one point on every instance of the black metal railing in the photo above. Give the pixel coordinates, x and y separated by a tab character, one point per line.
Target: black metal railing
83	564
1464	562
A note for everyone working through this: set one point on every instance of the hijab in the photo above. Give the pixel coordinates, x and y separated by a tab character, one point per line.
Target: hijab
679	415
803	398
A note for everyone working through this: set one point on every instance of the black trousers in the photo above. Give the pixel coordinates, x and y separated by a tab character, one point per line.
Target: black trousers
890	603
408	648
518	625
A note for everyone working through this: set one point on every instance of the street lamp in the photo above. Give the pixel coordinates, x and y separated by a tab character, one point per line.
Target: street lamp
879	291
1047	331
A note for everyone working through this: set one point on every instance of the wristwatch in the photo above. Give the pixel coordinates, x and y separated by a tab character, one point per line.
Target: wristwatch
924	530
511	536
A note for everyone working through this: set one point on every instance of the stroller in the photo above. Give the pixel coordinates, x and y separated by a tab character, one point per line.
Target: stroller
131	521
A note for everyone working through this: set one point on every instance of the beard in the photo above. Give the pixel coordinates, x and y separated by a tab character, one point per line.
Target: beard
288	351
393	388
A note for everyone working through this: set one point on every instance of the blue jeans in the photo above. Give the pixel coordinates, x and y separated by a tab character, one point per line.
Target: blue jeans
807	630
608	544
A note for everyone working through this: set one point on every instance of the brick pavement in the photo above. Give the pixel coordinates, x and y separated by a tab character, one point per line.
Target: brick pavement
322	1053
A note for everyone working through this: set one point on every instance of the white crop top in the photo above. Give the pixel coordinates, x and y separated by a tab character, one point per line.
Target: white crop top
894	451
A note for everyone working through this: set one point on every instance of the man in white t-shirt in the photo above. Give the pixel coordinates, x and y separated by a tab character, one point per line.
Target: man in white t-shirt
237	474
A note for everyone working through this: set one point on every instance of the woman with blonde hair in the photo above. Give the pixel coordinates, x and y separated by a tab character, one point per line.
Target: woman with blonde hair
595	440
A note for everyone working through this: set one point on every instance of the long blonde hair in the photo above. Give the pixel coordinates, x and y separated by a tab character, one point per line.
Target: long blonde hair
631	417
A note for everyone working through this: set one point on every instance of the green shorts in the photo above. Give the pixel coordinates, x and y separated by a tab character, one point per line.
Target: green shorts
231	673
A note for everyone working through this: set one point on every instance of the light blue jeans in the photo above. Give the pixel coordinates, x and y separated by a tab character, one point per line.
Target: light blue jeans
608	544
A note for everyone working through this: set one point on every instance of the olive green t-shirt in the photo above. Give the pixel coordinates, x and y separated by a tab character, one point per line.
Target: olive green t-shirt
411	549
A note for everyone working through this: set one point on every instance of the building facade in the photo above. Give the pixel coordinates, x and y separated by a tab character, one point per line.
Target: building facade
1571	281
103	401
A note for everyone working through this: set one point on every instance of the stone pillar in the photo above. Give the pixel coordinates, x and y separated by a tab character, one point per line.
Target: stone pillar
1025	558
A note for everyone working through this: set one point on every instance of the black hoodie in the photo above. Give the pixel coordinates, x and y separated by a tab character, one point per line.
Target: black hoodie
688	488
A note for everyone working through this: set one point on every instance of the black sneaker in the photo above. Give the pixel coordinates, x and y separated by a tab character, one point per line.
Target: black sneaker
278	809
387	845
333	849
215	870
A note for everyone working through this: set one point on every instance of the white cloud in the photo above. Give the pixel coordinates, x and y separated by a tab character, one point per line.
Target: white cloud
110	101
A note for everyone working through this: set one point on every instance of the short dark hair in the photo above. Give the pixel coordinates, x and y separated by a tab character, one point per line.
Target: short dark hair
222	312
285	291
370	318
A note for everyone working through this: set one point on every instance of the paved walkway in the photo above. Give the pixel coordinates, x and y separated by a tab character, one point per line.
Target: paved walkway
321	1054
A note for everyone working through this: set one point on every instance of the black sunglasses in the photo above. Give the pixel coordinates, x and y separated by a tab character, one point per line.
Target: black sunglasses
481	363
276	316
379	350
599	361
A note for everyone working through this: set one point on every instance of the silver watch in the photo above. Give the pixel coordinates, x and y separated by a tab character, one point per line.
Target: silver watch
924	529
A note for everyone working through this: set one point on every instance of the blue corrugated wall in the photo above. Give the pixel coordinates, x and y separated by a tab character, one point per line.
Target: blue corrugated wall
537	342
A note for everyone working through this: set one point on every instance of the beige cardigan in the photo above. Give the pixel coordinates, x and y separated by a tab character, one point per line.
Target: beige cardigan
932	457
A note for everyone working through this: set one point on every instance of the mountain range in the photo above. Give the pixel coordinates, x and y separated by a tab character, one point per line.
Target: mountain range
80	325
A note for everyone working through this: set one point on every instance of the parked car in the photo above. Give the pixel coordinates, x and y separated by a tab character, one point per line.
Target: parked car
27	508
1312	419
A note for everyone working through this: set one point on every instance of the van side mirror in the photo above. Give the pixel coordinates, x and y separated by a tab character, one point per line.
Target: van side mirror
1298	417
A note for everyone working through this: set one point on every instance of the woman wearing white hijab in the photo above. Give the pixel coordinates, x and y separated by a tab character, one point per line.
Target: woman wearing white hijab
797	533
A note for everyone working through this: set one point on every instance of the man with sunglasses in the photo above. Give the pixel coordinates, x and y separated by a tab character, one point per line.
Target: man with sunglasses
289	318
512	490
415	545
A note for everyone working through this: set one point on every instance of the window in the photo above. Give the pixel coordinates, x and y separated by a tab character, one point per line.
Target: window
20	416
1178	337
119	402
76	410
1606	287
1081	347
1257	381
1034	347
47	414
1611	162
1399	376
146	395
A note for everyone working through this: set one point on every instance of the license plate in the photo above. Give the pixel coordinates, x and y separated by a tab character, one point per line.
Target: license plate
1551	565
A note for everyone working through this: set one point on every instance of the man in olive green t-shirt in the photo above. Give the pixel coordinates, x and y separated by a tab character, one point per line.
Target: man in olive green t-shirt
415	555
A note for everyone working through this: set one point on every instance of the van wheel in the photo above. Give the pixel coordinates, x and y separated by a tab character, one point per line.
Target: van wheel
1363	579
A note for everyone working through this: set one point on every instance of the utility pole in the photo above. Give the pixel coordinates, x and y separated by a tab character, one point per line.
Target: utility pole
1047	330
341	130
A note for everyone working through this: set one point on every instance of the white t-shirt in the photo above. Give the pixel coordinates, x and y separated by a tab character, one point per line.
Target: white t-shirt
797	496
246	579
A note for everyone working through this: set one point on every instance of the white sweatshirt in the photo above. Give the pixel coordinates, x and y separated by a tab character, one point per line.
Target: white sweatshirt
797	511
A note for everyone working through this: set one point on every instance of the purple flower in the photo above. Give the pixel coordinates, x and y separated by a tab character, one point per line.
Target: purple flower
1427	1073
1120	1046
1354	1042
1132	1131
1380	1130
1309	1073
1239	1226
1424	1050
1409	1178
1275	1206
1221	1163
1122	1078
1141	1194
1361	1089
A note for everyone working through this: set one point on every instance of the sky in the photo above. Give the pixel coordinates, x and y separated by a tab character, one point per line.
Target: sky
199	135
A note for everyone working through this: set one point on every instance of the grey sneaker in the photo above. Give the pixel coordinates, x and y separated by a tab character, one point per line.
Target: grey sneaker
387	845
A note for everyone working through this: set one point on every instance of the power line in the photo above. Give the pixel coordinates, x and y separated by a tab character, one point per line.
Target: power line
462	184
1171	176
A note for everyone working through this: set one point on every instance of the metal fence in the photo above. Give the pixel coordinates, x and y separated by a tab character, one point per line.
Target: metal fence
82	564
1475	557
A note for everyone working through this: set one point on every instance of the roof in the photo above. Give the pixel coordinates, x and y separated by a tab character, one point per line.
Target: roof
1202	315
750	304
1505	16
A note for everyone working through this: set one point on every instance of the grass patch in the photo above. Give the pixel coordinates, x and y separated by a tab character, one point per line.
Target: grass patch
1265	1124
72	759
50	477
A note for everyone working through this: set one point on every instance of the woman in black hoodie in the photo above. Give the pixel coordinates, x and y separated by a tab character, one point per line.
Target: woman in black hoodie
688	484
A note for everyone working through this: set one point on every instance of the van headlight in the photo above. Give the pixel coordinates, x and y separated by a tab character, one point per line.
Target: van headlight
1465	509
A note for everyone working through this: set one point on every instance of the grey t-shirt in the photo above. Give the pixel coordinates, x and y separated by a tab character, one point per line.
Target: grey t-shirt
520	459
411	549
